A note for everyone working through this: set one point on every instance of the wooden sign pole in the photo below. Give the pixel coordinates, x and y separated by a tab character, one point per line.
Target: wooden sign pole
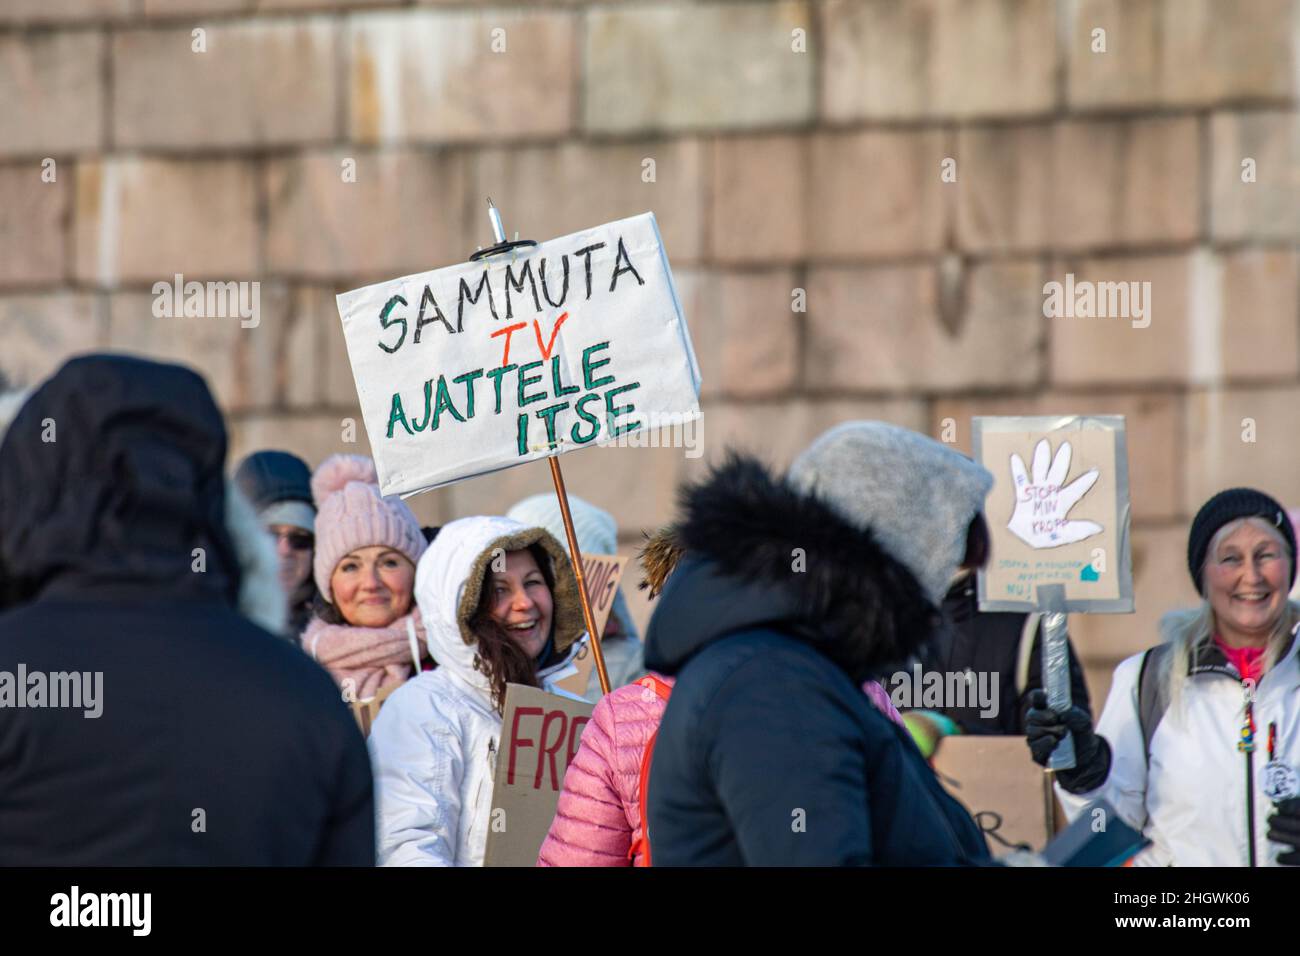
557	477
563	496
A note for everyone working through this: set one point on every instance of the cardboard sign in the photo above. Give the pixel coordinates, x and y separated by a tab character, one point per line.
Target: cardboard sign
998	782
1058	512
603	572
483	365
365	711
539	736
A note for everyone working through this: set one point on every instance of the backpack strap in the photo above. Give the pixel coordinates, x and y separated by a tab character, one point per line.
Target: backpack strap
1153	694
641	846
1025	651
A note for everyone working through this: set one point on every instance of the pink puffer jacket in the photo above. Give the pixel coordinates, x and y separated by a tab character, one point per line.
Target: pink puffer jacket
599	813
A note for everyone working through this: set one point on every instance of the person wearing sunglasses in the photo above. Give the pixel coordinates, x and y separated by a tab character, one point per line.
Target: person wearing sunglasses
278	484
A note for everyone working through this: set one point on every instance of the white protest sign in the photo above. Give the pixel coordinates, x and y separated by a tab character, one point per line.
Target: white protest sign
483	365
1062	519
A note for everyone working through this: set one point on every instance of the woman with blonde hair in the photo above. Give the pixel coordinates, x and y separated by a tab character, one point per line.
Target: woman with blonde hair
1199	742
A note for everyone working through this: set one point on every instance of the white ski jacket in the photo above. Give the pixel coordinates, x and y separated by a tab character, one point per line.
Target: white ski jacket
1194	798
433	746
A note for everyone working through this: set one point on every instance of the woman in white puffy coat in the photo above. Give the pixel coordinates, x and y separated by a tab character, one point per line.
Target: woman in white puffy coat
1199	743
500	605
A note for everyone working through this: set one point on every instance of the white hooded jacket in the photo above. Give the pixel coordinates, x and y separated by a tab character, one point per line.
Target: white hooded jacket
1191	800
434	745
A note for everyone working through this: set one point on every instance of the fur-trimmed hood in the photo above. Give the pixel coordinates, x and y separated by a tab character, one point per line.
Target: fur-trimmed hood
749	550
449	579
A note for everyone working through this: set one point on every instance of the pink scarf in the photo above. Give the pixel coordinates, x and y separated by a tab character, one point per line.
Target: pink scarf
372	658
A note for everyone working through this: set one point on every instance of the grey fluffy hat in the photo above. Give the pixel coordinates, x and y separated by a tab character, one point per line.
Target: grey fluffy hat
916	495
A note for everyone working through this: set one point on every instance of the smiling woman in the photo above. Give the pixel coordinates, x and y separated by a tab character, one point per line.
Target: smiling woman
500	601
372	586
513	619
364	627
1199	742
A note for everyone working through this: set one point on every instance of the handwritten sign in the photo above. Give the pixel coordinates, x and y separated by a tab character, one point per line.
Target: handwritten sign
480	366
603	572
1058	512
540	734
1001	787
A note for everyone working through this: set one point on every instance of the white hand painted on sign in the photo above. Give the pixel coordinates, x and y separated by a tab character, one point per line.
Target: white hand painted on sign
1043	501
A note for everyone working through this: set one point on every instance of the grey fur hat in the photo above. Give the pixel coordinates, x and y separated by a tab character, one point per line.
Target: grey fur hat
917	496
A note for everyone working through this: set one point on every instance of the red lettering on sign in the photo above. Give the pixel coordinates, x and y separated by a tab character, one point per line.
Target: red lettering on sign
575	728
598	581
516	741
537	330
550	751
507	332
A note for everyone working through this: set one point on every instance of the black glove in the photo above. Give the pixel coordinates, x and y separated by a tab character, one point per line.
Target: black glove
1045	729
1284	827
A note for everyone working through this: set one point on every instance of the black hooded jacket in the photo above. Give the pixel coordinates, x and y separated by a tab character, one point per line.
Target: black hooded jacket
989	642
214	743
769	752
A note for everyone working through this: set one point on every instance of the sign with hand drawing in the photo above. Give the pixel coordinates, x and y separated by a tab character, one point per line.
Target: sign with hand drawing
1063	518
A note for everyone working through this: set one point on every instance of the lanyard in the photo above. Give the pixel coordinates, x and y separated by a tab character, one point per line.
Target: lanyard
1247	742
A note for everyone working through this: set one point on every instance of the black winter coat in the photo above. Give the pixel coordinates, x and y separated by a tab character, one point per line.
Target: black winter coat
216	743
769	752
989	642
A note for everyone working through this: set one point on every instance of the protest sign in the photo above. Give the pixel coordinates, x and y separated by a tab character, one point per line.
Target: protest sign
365	711
539	736
602	572
479	366
1062	519
997	781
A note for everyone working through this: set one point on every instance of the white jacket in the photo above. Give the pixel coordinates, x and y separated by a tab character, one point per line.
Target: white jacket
1191	801
433	747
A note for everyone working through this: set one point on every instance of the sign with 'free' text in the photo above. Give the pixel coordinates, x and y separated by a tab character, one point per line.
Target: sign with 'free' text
540	735
480	366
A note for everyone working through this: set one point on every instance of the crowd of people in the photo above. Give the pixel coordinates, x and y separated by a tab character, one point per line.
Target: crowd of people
227	621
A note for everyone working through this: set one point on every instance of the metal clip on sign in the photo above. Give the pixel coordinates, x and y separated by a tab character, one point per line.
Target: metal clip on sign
502	247
499	232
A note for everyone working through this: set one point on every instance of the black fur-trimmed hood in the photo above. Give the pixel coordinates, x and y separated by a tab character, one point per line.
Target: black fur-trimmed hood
756	552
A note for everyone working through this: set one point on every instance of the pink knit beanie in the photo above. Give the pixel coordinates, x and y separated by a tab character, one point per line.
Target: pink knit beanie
352	514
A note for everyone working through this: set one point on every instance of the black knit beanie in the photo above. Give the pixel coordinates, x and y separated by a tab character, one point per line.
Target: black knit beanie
1228	506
